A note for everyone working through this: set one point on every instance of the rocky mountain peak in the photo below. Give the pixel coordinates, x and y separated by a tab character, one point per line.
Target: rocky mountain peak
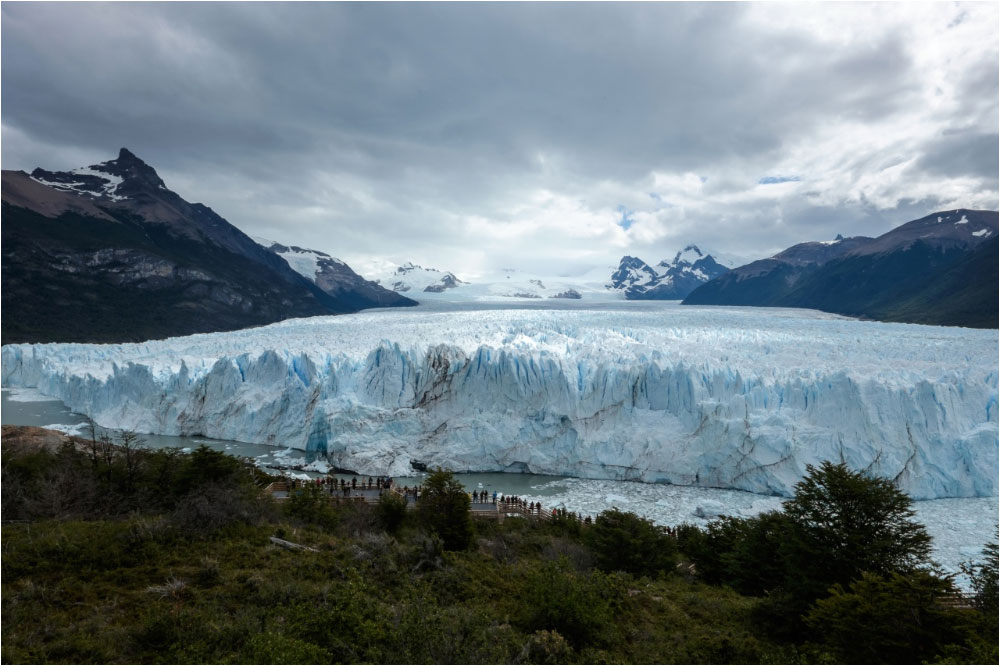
125	177
134	173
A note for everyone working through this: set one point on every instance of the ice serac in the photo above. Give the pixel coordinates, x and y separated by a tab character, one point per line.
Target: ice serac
718	397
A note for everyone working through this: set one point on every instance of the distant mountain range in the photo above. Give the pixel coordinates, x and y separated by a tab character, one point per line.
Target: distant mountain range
668	280
940	269
335	277
107	253
411	277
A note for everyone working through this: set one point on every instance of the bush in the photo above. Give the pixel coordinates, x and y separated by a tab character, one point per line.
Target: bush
272	648
983	576
896	619
743	553
213	506
311	504
444	508
622	541
574	605
391	512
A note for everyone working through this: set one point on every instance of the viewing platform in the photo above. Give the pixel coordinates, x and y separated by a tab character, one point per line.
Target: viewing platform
503	506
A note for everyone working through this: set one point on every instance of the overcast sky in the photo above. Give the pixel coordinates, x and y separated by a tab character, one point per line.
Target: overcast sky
548	137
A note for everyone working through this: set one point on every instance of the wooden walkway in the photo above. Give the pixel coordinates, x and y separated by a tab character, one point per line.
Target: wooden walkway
498	510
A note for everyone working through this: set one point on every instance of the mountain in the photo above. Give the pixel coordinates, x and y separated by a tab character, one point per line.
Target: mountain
411	277
668	280
335	277
107	253
939	269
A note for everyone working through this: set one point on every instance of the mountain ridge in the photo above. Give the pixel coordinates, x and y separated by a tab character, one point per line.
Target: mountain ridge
894	277
107	253
690	268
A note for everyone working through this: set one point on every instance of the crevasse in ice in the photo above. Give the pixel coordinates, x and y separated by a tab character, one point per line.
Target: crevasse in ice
715	397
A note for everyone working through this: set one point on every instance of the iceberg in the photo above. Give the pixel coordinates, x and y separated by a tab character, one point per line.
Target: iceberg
696	396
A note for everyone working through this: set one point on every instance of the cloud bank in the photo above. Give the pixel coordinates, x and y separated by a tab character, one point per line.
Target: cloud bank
550	137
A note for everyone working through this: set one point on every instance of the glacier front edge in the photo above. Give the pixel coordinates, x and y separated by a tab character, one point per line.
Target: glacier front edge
714	397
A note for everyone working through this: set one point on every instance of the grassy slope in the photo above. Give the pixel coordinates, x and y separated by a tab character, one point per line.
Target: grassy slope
175	566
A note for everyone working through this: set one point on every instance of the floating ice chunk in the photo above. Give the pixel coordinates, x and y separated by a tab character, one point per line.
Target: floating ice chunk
75	430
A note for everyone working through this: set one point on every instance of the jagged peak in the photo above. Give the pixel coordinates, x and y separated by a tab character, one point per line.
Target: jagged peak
126	155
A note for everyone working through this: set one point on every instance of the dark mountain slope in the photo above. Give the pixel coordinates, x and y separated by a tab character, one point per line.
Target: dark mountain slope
109	254
767	282
966	294
940	269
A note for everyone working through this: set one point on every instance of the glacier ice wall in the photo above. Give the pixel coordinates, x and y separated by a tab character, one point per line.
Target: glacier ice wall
716	397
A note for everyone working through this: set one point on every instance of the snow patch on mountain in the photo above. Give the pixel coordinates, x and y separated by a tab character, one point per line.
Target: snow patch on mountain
715	397
413	278
89	181
670	279
307	263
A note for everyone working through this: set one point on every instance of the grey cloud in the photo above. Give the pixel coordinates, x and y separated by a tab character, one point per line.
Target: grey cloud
440	111
962	152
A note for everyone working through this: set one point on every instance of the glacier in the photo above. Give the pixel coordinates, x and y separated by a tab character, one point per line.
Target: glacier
695	396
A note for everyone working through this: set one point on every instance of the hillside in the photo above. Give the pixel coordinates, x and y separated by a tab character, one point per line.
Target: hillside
108	253
940	269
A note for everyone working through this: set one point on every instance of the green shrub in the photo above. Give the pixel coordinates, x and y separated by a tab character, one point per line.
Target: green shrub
391	512
272	648
577	606
622	541
983	576
897	619
444	508
311	504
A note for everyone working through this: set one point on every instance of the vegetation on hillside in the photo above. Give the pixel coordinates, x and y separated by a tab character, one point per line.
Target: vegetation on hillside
167	558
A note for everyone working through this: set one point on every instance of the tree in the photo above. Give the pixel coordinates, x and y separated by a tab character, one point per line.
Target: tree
444	508
623	541
130	443
391	512
745	553
983	576
843	523
895	619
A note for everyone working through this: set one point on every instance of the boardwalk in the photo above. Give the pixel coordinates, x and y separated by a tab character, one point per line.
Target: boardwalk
501	508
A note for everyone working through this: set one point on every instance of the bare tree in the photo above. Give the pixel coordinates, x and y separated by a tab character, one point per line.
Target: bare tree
130	443
107	451
94	448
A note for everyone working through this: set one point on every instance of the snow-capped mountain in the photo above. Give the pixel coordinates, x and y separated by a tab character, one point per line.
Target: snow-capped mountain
333	276
413	278
107	253
668	280
505	284
939	269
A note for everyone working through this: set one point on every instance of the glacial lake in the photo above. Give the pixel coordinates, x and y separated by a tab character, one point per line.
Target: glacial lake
960	526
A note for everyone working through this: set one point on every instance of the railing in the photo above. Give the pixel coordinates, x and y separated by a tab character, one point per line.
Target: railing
497	509
958	600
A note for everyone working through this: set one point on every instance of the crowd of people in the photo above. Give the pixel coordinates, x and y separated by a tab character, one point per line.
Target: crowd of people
515	504
504	503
